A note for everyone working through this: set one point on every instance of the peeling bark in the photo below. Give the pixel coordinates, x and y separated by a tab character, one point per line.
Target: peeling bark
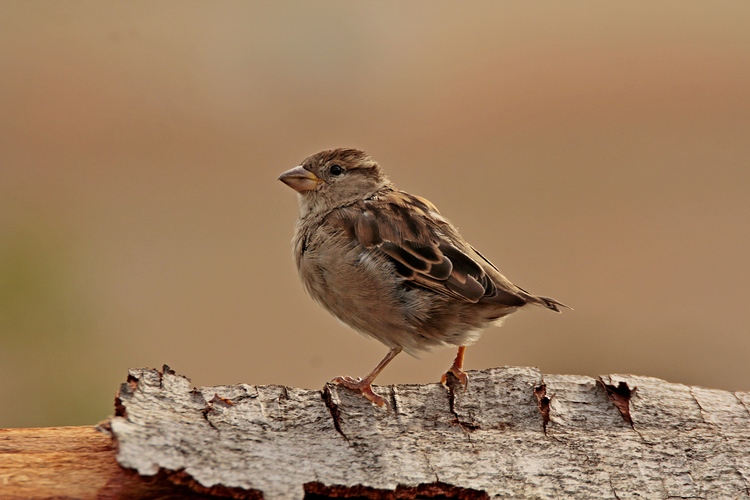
511	434
620	395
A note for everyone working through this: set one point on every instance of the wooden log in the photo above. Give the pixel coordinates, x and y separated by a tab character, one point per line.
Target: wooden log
514	433
74	463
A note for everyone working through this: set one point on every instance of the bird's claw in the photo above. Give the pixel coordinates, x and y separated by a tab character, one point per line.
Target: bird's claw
347	382
458	374
357	384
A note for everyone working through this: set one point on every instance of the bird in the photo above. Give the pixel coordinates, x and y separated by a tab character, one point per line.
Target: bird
390	266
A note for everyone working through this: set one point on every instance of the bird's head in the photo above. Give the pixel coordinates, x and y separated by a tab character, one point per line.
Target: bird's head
334	178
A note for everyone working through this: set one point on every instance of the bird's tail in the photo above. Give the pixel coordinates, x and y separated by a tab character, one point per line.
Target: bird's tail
549	303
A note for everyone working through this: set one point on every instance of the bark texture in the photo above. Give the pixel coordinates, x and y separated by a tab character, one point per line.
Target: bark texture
514	433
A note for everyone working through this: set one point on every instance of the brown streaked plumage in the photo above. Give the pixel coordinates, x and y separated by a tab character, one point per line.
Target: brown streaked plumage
386	263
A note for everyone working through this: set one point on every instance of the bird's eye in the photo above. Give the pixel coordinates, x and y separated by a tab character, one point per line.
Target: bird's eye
336	169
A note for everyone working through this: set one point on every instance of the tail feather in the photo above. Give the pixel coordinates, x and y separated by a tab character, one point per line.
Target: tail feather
550	303
547	302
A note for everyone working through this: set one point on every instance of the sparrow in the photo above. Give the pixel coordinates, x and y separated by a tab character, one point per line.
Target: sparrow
386	263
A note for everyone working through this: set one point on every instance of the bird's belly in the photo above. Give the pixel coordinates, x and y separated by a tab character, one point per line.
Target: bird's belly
362	289
359	289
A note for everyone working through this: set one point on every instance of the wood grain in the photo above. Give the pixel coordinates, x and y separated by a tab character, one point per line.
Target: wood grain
73	463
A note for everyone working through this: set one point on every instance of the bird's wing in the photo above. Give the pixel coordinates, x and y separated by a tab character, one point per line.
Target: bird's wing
425	248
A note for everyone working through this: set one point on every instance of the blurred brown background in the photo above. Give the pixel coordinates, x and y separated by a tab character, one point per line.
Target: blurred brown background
596	152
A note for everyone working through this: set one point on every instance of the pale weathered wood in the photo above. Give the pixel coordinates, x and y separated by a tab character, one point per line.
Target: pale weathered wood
514	433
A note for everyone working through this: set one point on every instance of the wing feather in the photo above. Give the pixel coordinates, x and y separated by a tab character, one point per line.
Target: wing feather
426	250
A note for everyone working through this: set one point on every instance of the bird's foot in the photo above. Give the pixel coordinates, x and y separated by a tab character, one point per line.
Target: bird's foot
362	386
458	374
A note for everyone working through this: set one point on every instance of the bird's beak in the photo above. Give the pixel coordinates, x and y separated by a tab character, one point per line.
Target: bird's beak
300	180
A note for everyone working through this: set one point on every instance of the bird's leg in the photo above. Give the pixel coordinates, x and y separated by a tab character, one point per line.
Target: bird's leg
456	370
365	385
